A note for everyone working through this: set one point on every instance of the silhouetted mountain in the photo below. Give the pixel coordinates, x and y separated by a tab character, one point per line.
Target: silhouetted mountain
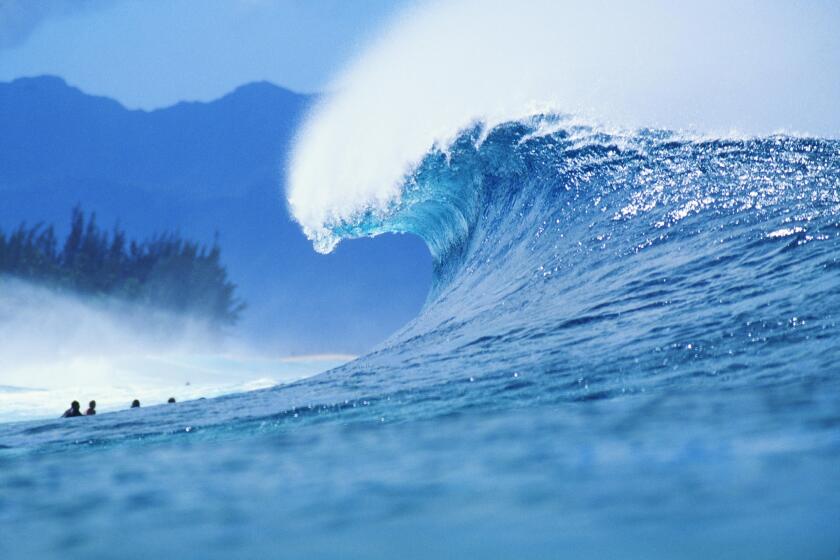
199	168
52	132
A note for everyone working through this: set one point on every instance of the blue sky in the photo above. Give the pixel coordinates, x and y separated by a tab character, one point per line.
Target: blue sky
153	53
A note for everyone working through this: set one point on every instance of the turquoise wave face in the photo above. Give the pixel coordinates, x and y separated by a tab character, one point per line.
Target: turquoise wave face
542	226
631	348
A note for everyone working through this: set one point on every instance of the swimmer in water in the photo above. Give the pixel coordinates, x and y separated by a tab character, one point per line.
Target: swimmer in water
73	411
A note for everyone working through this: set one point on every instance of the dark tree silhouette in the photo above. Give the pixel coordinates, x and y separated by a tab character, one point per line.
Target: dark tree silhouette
165	271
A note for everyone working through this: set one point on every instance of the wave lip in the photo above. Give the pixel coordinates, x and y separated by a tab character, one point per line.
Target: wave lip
712	67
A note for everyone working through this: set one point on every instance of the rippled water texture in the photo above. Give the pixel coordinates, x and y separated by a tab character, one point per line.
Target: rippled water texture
631	350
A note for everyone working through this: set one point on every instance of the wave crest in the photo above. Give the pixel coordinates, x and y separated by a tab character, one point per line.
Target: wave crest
711	67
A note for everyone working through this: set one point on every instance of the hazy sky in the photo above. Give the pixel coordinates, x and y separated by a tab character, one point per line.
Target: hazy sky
151	53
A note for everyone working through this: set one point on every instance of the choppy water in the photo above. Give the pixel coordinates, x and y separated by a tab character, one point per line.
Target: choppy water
631	350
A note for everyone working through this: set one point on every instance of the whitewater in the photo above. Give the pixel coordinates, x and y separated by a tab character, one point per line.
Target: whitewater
630	348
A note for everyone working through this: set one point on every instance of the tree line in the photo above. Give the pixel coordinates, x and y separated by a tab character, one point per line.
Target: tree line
164	271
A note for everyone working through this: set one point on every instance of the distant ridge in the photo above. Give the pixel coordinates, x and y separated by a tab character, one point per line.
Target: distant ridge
60	86
53	131
199	168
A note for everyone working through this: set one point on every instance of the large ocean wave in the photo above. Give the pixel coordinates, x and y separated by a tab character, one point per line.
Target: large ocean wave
630	348
633	261
627	335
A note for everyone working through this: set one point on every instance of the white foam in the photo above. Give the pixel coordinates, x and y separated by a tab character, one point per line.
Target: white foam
716	66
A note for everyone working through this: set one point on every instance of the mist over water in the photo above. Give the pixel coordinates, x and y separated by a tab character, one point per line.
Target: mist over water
707	68
57	347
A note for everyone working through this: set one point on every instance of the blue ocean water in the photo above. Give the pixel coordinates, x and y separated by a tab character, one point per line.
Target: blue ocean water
631	350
